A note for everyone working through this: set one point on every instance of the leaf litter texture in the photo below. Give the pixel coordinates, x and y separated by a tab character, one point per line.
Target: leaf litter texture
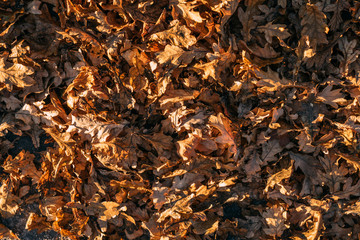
181	119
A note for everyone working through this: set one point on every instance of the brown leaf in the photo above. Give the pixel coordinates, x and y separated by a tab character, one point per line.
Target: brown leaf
270	81
269	150
16	75
22	166
274	30
9	203
306	163
331	97
275	218
6	233
159	195
186	11
186	147
278	177
37	222
223	125
179	35
314	26
207	227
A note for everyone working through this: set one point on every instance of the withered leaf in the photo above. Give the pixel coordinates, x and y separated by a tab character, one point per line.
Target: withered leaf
6	233
179	35
159	195
278	177
223	125
186	11
269	150
17	75
313	23
176	120
22	166
178	57
274	30
207	227
331	97
9	203
275	218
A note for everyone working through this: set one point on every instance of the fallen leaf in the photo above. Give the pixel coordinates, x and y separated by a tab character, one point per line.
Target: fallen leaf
278	177
331	97
6	233
274	30
275	218
223	125
17	75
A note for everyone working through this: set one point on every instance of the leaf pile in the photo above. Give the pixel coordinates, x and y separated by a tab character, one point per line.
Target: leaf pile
177	119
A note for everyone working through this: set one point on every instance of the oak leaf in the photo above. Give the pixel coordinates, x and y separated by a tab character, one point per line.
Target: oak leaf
269	150
331	97
274	30
178	35
186	10
17	75
313	23
158	195
275	218
223	125
22	166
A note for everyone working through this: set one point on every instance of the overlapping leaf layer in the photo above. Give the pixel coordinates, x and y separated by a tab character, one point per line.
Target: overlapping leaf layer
176	119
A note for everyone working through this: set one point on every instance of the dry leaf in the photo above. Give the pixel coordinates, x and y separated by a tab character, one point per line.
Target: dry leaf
314	26
275	218
274	30
331	97
16	75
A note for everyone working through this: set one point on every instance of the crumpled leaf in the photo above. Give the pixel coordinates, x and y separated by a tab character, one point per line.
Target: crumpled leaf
9	203
6	233
17	75
179	35
278	177
186	10
269	150
22	166
275	218
178	57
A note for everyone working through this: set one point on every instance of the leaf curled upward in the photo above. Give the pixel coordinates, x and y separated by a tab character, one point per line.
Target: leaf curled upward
313	24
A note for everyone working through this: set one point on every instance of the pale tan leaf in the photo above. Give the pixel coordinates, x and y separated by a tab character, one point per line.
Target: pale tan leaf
186	10
178	35
177	56
278	177
16	75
